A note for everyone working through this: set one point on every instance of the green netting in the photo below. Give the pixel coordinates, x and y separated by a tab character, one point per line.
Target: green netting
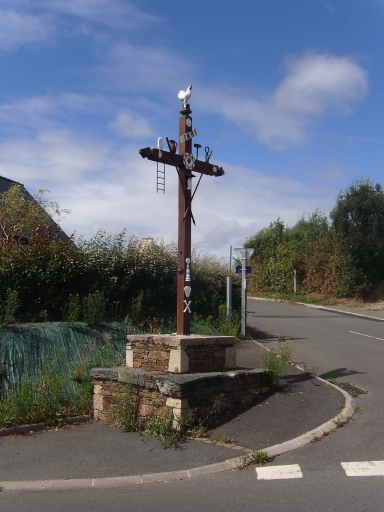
24	349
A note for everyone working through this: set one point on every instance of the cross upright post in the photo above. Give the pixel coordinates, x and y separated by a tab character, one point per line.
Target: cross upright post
183	317
185	163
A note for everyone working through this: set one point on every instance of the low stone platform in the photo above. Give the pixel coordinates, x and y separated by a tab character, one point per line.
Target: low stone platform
181	354
176	395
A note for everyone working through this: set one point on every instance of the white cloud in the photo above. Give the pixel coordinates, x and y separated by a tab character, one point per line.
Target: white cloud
31	111
17	28
316	85
112	187
23	22
52	159
129	124
114	13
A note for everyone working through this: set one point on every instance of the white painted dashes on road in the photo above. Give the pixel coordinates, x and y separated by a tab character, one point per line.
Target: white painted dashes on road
279	472
352	469
366	335
364	468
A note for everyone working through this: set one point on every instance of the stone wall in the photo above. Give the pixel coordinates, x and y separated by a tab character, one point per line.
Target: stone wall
157	395
181	354
147	401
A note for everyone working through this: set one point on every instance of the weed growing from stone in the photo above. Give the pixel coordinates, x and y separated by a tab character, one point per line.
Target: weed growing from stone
164	429
341	422
124	412
285	351
224	440
309	371
257	456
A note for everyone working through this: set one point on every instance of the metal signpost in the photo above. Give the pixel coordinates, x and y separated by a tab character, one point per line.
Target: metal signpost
185	163
244	254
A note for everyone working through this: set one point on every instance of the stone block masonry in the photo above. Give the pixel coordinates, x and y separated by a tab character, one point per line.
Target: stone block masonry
181	354
158	395
173	375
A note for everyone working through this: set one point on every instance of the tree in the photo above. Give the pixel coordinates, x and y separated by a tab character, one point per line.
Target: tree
358	221
21	213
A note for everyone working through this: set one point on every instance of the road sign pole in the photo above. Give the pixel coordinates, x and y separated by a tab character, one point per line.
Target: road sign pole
243	293
244	254
229	297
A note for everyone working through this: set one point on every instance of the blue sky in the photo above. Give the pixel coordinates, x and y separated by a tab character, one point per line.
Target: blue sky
288	95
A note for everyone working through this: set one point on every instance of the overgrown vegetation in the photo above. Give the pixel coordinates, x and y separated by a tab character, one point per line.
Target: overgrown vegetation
108	276
55	390
275	363
337	258
258	456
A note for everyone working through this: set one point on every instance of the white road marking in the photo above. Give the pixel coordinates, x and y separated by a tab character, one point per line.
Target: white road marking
279	472
366	335
364	468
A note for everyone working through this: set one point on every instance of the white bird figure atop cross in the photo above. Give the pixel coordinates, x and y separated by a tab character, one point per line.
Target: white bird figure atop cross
185	95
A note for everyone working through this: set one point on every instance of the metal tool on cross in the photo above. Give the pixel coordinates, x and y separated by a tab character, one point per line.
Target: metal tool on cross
185	163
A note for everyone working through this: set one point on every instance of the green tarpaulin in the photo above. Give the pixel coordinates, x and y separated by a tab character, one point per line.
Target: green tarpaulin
25	348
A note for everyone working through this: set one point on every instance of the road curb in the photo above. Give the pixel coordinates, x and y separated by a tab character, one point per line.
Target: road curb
325	308
197	472
37	427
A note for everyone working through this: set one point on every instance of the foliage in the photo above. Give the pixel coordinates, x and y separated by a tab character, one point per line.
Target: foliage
65	280
107	276
164	429
34	401
340	259
358	221
275	367
94	306
257	456
124	410
278	250
9	307
21	213
220	326
55	388
72	309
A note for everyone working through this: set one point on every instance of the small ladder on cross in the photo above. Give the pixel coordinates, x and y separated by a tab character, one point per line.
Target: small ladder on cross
160	181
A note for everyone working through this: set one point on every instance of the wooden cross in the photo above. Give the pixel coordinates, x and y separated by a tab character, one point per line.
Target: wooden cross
185	164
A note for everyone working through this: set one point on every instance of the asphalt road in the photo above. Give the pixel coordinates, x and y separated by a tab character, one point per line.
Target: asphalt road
341	347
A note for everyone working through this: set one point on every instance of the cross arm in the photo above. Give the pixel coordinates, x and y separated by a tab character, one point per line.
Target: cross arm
177	160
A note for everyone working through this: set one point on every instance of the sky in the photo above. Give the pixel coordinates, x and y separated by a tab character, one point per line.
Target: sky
289	96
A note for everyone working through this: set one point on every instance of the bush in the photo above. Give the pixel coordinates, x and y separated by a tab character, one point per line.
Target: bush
341	259
108	274
94	306
9	307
